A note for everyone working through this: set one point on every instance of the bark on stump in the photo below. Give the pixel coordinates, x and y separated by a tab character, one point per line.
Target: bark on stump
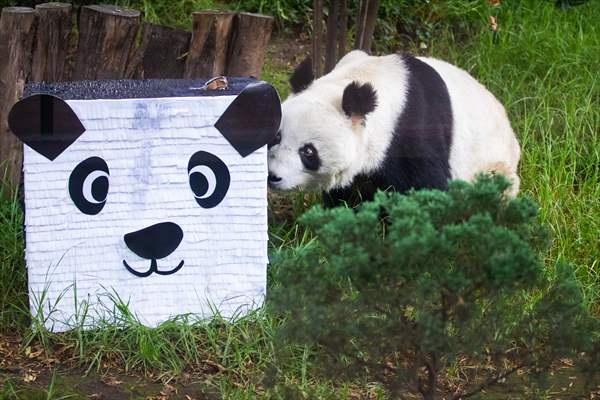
107	37
366	24
317	36
17	30
52	42
162	53
207	56
251	34
332	35
343	33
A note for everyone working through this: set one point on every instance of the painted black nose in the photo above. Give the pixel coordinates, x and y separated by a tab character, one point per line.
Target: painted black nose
274	178
156	241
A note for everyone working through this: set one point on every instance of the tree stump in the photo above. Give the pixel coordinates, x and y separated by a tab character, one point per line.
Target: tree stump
370	22
360	24
249	39
366	24
162	53
107	36
332	35
17	30
317	36
52	42
343	33
207	56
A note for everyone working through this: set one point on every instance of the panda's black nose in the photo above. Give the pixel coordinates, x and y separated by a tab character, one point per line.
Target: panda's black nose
274	178
156	241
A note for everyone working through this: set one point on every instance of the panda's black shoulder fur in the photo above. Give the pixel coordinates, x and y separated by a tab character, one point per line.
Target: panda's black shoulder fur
418	155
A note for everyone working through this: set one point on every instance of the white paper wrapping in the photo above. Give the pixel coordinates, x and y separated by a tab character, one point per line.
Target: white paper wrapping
75	260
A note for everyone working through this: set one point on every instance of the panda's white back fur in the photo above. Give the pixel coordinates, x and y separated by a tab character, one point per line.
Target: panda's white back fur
483	139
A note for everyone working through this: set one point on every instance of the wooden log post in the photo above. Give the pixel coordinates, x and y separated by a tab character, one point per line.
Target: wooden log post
51	42
366	24
107	36
17	30
249	39
207	56
343	32
332	35
161	54
360	25
370	21
317	36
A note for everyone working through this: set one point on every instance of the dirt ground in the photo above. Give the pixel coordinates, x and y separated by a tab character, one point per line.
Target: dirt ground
28	373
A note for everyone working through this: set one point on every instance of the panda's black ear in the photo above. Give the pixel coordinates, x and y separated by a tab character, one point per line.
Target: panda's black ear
45	123
359	100
252	120
302	76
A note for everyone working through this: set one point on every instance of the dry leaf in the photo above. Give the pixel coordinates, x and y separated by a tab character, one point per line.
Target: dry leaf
112	381
168	390
34	354
493	24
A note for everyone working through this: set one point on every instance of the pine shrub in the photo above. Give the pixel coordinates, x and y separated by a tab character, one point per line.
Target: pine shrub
405	289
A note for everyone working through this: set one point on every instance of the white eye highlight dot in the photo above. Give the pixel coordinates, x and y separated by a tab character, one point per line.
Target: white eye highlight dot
87	186
210	178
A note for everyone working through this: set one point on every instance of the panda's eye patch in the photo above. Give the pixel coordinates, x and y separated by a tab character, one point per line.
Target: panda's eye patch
88	185
310	157
209	178
276	140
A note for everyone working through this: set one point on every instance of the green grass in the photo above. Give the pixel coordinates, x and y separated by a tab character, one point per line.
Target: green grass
13	295
544	68
174	13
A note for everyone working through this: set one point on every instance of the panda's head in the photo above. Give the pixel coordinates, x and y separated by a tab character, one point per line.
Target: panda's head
321	141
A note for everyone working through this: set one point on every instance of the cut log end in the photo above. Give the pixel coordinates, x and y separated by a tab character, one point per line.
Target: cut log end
53	6
113	10
265	18
17	10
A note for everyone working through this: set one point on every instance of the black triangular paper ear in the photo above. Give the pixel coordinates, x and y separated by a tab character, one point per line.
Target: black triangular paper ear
45	123
252	119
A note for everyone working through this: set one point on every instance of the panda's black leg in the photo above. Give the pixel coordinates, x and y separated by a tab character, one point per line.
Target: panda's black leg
332	199
348	197
340	197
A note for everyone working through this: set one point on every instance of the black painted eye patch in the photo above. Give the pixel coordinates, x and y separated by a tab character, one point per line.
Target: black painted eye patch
88	185
209	178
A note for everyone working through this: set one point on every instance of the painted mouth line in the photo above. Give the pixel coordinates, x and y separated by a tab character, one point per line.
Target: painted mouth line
153	269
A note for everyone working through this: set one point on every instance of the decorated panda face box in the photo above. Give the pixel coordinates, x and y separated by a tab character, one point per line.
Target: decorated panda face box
160	202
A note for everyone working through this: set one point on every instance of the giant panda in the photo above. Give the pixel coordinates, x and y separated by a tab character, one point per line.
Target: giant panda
394	122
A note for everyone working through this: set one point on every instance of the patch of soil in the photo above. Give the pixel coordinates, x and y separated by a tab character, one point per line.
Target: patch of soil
287	51
29	373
